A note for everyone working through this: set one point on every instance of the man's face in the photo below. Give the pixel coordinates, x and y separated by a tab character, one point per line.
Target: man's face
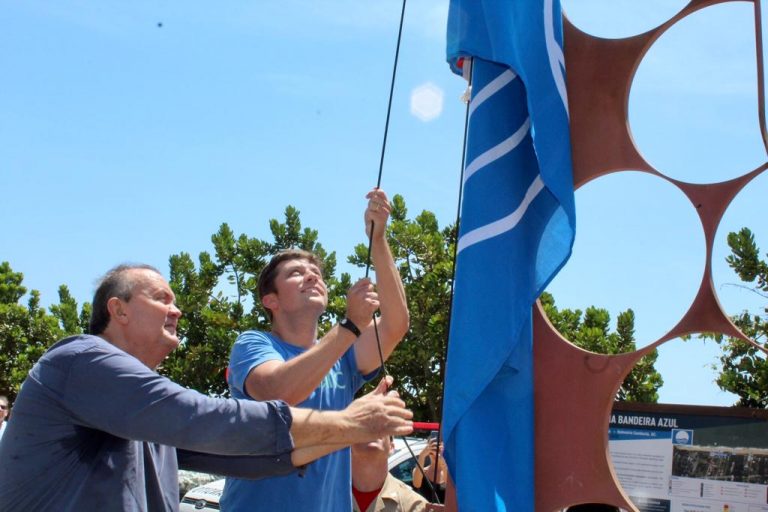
3	410
152	316
299	287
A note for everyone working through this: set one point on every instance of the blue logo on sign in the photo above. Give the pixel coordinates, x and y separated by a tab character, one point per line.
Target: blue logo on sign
682	436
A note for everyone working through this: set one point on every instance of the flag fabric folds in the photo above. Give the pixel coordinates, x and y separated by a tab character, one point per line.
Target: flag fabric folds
516	231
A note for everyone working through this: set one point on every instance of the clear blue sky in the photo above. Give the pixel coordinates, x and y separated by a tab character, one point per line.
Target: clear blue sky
131	131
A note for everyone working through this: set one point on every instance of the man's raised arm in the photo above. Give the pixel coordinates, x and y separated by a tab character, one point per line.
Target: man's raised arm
394	320
295	379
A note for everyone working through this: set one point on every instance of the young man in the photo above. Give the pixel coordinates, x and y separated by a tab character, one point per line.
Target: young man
290	363
95	427
373	488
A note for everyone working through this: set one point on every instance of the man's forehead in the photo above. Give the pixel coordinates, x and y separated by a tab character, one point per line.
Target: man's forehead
146	278
298	263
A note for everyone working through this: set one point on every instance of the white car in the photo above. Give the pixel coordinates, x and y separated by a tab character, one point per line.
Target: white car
205	497
401	464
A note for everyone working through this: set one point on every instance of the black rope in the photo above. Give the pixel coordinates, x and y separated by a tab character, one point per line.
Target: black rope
424	478
381	170
391	94
386	126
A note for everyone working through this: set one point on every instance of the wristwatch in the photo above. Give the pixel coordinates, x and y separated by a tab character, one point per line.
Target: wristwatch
347	324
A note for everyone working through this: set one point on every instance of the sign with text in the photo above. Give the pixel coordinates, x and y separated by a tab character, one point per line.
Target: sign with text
674	458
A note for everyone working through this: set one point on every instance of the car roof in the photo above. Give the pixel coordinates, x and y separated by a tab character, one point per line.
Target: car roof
402	453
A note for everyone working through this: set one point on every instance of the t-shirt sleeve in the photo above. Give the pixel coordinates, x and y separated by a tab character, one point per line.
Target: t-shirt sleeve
358	379
114	392
250	349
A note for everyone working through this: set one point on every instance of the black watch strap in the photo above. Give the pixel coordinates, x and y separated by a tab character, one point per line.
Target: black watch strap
347	324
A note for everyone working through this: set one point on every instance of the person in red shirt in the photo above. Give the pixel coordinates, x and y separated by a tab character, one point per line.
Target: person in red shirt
374	489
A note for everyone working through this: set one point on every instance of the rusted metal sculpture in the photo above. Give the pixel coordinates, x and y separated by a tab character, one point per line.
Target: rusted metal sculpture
575	389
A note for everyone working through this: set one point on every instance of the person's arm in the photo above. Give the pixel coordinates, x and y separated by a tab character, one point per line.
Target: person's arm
442	467
374	415
238	466
315	435
253	467
295	379
428	451
377	414
394	320
418	479
111	391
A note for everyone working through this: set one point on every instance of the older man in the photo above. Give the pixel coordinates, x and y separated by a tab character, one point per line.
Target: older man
96	428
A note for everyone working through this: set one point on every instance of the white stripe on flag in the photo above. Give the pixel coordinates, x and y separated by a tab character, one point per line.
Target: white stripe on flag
491	88
498	151
555	53
508	223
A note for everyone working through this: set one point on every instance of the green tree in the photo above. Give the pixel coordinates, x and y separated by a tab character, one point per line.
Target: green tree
591	331
11	290
70	320
26	332
744	368
219	298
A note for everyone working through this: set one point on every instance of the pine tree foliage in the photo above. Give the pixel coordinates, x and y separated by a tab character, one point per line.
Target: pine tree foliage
27	330
590	330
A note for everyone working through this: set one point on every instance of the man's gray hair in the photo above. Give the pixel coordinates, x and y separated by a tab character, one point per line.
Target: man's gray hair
115	283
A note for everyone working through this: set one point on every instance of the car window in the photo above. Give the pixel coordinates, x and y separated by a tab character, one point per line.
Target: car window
404	470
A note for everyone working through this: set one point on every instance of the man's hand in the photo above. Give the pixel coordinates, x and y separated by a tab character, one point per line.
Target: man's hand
430	450
378	211
379	413
362	303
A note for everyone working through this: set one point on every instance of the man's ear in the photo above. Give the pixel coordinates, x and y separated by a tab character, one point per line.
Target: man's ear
269	301
117	310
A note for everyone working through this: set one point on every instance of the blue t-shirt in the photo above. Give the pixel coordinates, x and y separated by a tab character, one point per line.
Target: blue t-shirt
326	484
95	429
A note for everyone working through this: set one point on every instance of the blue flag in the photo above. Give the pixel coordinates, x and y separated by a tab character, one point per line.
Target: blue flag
516	232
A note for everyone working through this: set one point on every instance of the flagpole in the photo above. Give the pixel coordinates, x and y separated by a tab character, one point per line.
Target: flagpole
467	98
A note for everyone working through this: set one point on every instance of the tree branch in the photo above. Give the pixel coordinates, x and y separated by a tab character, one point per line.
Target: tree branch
748	288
